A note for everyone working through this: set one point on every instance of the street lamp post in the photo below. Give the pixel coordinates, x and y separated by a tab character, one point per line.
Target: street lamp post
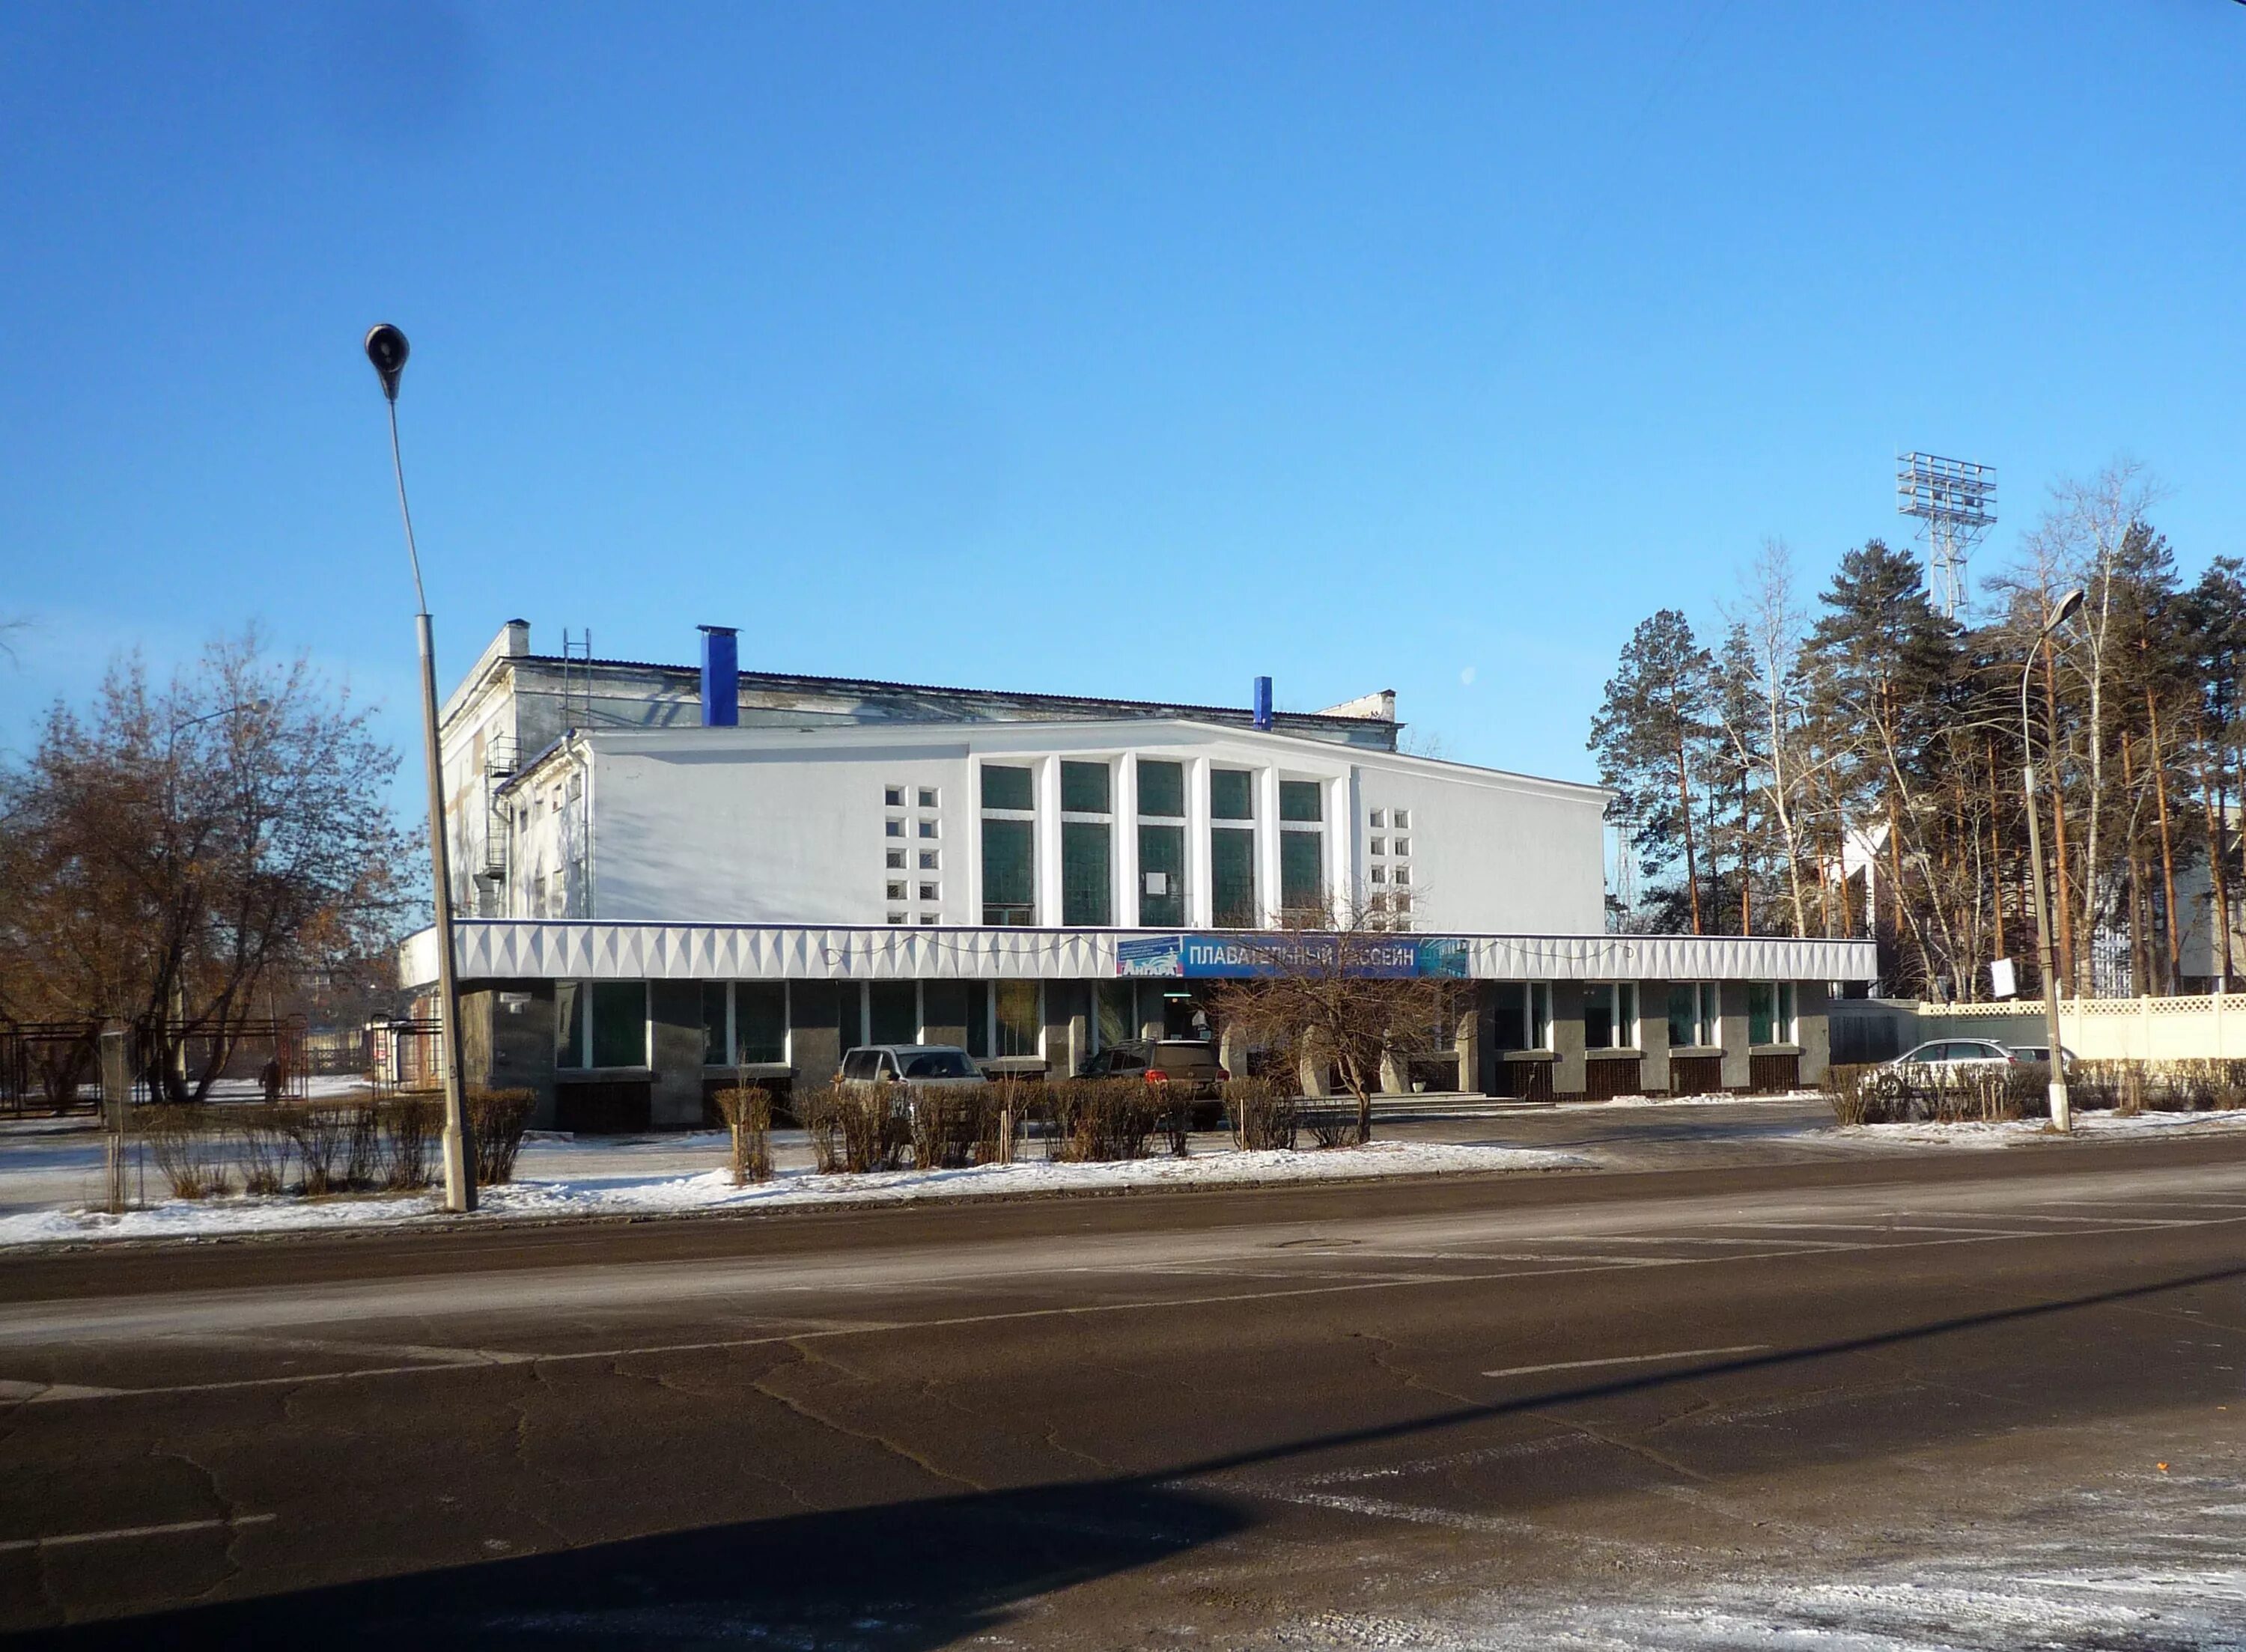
386	349
2062	1114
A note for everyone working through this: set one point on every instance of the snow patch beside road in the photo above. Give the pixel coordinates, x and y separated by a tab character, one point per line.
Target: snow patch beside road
544	1198
2015	1132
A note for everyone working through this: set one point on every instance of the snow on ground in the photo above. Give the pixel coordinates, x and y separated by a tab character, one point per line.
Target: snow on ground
543	1196
2103	1126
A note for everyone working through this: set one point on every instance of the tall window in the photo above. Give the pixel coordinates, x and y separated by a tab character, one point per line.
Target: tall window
893	1012
1161	844
1610	1016
1523	1014
1010	834
759	1020
1770	1012
1232	848
600	1023
1302	846
1115	1014
1693	1023
1088	877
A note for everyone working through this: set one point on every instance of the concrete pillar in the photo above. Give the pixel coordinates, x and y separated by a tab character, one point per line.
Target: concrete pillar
1731	1026
1310	1066
1395	1074
1232	1051
1472	1040
1068	1044
508	1026
814	1049
674	1008
1568	1038
1653	1033
1813	1028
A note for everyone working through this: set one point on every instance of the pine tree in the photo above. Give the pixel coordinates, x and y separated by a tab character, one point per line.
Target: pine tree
1650	736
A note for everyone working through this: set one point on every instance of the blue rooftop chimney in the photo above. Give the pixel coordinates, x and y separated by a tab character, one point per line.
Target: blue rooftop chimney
1262	702
721	677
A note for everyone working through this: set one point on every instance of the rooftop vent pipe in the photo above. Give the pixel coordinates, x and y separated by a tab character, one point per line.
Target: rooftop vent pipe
1262	702
721	677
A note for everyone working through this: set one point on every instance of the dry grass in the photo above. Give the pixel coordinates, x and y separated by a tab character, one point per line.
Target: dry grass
747	1111
1260	1115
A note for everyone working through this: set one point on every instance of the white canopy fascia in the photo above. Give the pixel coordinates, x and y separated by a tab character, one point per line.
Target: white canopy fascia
567	950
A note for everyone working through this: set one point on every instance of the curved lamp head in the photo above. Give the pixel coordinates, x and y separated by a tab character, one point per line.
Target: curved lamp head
387	349
2069	606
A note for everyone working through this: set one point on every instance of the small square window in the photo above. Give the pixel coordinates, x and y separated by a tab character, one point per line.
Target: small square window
1403	874
1381	875
1403	902
897	917
1380	846
896	860
1379	819
1403	819
931	917
1403	846
927	828
1378	903
896	891
929	858
893	828
893	796
927	796
930	892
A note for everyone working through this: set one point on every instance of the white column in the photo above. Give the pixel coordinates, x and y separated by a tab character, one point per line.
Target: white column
1048	840
1344	807
1267	845
1126	841
1200	895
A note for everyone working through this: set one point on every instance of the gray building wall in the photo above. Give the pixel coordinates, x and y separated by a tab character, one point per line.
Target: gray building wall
1568	1037
1653	1033
674	1010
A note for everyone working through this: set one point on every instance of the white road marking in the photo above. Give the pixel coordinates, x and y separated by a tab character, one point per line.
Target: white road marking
66	1538
1627	1359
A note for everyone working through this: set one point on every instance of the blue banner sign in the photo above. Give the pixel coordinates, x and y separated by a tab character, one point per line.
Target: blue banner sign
1375	957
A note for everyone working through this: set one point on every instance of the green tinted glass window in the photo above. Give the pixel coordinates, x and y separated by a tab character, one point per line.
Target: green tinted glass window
1009	872
1762	1013
1007	787
620	1023
568	1025
893	1010
1116	1006
713	1023
1302	800
1232	877
1161	876
978	1019
761	1020
1085	878
1162	789
1083	788
1302	870
1230	796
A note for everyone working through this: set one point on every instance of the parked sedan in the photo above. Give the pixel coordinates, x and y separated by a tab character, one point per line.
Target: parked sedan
1950	1060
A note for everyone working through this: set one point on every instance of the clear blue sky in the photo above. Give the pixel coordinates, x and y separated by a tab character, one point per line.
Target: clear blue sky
1104	349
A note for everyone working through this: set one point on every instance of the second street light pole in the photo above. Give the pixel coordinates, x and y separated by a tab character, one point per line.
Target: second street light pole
386	349
2062	1112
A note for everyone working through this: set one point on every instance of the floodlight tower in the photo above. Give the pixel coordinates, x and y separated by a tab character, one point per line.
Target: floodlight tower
1957	500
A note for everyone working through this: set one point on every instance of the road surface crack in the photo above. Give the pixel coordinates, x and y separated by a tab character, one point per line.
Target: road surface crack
895	1448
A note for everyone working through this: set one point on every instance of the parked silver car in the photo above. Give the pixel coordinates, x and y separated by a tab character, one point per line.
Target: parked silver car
938	1065
1950	1060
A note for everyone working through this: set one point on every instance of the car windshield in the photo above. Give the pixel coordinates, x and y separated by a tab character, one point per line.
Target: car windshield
939	1063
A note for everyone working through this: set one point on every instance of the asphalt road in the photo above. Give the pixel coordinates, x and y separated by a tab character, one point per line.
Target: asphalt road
1508	1410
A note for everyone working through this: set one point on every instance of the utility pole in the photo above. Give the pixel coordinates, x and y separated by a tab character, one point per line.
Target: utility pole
386	349
2062	1115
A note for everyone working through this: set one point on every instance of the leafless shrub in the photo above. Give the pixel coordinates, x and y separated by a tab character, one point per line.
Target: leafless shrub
409	1129
747	1111
320	1135
1103	1119
262	1135
1174	1119
854	1130
1331	1124
1260	1115
362	1141
1887	1095
189	1148
949	1125
497	1119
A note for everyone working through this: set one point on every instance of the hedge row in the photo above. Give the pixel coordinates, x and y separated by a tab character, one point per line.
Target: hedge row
327	1147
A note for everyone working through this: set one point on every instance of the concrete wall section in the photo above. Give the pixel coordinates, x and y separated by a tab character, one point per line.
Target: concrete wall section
674	1010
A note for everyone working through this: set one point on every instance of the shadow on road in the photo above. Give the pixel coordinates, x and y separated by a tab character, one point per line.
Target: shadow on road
902	1575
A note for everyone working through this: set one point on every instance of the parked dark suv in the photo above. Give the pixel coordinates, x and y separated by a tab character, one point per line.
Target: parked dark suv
1188	1066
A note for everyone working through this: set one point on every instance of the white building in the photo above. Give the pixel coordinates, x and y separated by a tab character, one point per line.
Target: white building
667	881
